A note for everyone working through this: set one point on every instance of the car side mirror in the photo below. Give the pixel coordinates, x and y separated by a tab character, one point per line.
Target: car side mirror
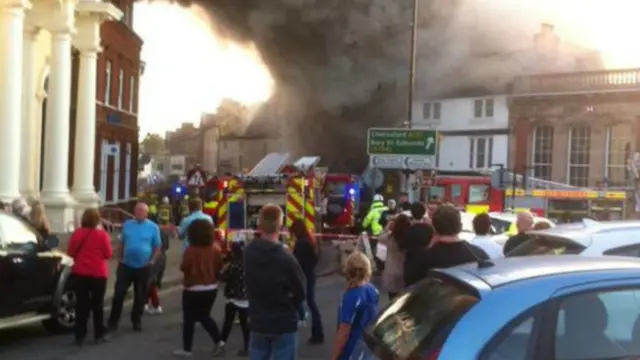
51	241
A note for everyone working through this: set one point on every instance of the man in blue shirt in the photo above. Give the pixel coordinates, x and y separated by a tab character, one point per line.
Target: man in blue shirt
195	207
139	249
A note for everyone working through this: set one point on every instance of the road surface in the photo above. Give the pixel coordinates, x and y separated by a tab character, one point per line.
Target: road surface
162	334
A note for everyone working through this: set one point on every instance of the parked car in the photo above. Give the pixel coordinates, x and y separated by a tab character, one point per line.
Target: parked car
589	238
33	278
538	307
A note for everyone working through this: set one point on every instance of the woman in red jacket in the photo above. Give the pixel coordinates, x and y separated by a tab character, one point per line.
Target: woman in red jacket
90	248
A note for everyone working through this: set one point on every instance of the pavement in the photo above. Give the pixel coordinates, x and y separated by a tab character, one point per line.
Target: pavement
162	334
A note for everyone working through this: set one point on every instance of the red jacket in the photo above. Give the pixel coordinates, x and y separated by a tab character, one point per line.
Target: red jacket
90	250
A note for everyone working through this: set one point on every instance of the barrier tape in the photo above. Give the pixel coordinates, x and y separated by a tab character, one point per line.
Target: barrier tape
247	231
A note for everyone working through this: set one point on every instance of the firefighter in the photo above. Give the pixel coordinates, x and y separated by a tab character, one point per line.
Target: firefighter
371	222
153	207
164	212
184	207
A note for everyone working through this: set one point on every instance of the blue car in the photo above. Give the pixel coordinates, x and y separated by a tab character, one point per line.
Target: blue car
528	308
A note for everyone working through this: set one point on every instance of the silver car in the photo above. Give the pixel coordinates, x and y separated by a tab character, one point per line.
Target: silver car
588	238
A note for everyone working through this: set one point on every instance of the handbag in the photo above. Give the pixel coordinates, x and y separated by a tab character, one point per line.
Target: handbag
72	280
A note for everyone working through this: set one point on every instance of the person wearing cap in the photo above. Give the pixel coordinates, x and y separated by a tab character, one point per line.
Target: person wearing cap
371	222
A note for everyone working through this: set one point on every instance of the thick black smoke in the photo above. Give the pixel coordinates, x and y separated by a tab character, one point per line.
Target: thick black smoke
341	66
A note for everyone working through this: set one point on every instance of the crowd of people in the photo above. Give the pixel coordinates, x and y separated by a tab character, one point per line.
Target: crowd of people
268	287
418	238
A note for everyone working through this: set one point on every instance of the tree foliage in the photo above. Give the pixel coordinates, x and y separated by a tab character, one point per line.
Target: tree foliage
153	144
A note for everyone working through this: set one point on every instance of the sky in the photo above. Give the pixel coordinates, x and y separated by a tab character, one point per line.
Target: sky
189	70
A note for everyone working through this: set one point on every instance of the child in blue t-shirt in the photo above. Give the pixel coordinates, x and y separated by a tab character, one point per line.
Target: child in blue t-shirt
358	308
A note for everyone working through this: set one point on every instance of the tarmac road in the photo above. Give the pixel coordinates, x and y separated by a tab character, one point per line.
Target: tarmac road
162	334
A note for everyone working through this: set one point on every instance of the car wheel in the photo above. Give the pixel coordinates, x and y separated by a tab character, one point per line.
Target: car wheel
63	318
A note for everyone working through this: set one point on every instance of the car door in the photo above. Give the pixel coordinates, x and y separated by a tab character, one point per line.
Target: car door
10	299
598	320
610	331
33	270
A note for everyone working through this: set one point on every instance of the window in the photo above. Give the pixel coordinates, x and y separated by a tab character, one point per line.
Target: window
107	83
478	193
431	111
132	92
514	343
436	192
610	331
483	108
546	245
16	234
579	148
480	152
419	321
632	251
488	108
542	152
456	192
477	108
120	88
618	149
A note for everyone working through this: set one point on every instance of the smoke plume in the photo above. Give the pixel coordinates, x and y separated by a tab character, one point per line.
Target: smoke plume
341	66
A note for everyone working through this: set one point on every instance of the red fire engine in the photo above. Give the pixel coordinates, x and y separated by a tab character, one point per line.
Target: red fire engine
466	188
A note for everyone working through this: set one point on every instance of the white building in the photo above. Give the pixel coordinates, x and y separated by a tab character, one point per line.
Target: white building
474	129
36	42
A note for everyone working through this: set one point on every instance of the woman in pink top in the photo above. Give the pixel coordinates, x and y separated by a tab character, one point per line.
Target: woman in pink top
90	248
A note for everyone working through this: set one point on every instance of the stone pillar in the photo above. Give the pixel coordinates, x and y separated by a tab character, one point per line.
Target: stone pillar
29	140
12	15
88	43
55	191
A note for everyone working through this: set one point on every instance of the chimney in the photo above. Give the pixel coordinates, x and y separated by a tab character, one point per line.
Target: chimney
546	41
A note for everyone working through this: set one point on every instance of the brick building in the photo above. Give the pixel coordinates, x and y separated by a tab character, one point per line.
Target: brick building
577	128
185	141
119	71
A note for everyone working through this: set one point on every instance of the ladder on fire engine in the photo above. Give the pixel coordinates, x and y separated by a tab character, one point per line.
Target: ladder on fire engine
270	165
534	183
306	163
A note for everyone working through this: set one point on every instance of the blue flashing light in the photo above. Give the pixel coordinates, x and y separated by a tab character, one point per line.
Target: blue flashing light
352	191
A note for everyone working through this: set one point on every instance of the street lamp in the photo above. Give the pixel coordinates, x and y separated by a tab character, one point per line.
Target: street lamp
412	63
501	169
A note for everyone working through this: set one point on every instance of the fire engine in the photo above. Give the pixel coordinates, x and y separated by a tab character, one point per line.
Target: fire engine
302	189
466	190
476	192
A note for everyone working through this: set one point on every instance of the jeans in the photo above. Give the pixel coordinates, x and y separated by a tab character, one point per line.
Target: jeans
89	299
273	346
196	307
317	332
230	312
125	276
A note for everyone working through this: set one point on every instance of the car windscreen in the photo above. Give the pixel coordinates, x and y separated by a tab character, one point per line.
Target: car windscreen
540	244
418	322
500	226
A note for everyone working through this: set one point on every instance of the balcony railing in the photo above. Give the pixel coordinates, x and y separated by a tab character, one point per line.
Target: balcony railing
583	82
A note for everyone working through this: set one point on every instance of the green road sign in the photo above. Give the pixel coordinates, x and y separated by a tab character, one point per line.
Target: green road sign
402	142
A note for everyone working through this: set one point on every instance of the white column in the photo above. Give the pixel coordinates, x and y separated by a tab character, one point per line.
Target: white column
84	157
29	139
55	191
12	14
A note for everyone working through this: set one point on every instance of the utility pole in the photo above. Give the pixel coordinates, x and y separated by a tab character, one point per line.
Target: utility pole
412	63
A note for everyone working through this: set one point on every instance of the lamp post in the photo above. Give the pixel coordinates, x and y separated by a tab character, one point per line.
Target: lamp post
501	169
412	63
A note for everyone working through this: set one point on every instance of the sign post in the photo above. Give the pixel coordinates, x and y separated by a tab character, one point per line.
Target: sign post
411	149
